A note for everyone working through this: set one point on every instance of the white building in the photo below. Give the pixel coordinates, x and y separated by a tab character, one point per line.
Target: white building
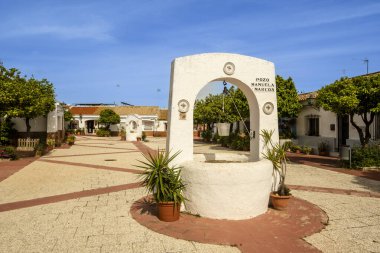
51	126
315	125
150	119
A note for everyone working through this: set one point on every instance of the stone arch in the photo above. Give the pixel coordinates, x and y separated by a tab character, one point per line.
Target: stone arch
189	74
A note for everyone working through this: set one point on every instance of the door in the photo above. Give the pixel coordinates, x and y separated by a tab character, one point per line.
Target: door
90	126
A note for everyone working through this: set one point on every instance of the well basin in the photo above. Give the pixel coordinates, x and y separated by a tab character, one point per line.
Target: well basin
227	186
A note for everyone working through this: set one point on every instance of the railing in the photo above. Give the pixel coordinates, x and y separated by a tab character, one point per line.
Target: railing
27	144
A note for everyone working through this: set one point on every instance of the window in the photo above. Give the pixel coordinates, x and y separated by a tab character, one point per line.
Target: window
312	127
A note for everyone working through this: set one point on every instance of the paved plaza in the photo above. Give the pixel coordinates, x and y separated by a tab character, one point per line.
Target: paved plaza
79	200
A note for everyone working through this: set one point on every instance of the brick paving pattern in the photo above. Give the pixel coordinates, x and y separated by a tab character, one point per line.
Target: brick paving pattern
79	200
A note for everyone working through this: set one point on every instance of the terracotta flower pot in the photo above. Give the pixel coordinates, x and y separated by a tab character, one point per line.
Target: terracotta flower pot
168	212
279	202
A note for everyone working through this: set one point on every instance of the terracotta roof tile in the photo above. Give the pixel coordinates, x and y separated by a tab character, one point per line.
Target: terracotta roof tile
163	114
83	110
304	96
121	110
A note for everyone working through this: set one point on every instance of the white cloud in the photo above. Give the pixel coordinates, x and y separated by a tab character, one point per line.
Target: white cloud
92	31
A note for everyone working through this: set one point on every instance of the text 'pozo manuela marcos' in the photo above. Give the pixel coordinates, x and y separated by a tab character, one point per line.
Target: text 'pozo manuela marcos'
263	84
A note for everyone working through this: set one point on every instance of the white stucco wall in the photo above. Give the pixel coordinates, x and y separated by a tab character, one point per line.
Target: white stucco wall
237	190
55	119
161	125
37	124
325	119
191	73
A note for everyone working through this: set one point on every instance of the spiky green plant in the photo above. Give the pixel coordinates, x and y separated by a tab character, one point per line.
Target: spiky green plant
161	179
276	153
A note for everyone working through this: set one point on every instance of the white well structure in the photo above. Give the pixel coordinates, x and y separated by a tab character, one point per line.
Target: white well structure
236	187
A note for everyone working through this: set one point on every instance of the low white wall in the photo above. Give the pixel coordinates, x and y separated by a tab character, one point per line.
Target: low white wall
236	191
37	124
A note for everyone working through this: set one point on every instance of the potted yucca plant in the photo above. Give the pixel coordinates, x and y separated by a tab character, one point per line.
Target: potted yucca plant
164	182
276	153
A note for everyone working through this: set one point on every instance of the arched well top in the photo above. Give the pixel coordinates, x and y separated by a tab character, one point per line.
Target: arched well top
189	74
195	57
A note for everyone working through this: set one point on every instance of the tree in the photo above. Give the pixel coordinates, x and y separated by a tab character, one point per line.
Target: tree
221	108
67	115
24	98
9	80
353	96
109	117
288	105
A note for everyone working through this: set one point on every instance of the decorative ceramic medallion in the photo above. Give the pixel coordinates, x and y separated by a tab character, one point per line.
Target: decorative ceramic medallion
229	68
183	105
268	108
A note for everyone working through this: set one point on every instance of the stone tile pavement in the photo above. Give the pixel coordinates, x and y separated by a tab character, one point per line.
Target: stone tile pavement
102	222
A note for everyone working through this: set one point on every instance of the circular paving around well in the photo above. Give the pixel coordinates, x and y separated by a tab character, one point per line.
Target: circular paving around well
274	231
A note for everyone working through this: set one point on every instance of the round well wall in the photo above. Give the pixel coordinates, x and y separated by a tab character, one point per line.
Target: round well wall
226	186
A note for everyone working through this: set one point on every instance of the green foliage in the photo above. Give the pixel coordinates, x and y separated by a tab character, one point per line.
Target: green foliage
288	105
306	150
103	132
366	157
71	139
350	96
161	179
108	117
206	135
295	148
24	98
6	131
50	142
276	153
68	116
210	109
9	152
40	148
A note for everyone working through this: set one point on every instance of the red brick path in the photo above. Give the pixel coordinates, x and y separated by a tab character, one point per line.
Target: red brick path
332	164
8	168
274	231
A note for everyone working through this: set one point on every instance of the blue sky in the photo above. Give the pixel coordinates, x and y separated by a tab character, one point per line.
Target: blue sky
112	51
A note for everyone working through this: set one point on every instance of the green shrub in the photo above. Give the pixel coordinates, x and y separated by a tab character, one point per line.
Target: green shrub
10	152
102	132
6	131
235	141
71	139
366	157
50	142
306	150
41	148
70	131
295	148
206	135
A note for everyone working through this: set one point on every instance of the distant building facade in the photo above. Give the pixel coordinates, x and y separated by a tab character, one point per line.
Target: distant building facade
149	119
315	125
51	126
